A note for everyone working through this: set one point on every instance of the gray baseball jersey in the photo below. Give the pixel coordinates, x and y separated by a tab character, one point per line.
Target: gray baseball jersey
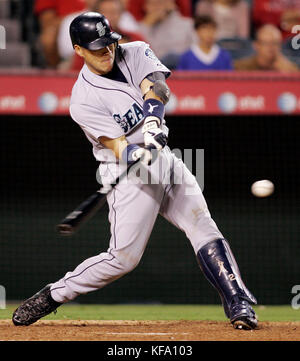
105	107
111	108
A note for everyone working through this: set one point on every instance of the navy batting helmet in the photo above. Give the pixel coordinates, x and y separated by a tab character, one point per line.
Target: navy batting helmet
92	31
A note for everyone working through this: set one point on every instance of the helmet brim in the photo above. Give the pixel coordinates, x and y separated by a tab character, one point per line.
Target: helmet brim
102	42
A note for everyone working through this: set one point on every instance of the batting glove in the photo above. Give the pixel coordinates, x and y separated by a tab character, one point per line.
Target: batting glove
134	152
153	136
145	156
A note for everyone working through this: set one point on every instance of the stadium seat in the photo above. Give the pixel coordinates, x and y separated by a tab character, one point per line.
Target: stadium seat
12	29
237	47
15	55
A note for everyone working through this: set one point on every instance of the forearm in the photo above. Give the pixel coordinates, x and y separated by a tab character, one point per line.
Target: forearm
156	94
125	152
155	87
117	145
151	95
49	24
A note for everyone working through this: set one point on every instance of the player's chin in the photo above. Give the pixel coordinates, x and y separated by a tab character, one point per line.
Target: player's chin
107	65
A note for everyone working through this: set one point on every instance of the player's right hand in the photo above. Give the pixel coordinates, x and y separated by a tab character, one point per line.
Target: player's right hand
153	135
156	138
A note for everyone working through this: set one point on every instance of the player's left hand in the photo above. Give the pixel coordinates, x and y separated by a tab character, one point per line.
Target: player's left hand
154	136
144	154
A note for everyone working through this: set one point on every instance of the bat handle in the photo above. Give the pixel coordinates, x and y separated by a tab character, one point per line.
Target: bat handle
154	152
150	147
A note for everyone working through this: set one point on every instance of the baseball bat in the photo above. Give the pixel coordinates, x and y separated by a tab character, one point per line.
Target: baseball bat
86	210
81	214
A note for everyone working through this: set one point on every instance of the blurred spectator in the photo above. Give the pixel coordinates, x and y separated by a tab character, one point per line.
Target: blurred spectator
137	7
120	19
231	16
282	13
50	14
166	30
268	55
206	55
112	10
64	44
128	21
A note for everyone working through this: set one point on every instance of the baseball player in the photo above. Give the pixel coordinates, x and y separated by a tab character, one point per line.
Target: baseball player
119	102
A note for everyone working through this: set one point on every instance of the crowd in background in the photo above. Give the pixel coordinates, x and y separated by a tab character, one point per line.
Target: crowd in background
184	34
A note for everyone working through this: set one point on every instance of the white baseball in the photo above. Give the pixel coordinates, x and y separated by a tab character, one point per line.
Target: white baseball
262	188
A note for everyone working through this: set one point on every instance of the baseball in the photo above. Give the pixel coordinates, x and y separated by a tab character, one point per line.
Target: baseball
262	188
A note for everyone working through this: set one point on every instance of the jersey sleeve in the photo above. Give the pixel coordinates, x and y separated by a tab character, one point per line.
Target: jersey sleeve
146	62
94	122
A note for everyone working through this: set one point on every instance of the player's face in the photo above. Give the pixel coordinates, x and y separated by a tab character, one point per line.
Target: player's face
99	61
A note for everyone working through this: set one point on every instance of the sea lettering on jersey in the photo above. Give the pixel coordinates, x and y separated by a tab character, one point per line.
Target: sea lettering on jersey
131	118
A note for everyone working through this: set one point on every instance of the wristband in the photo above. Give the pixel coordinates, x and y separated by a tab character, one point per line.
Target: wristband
127	153
153	108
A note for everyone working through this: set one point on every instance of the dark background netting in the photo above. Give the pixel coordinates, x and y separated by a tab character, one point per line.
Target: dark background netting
47	168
